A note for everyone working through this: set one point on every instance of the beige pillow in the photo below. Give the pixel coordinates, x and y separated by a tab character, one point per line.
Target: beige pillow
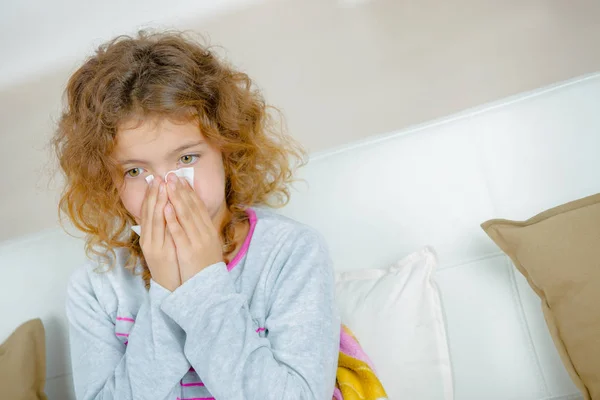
23	363
558	251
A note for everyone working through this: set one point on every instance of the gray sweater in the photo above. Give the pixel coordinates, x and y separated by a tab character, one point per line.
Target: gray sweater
263	327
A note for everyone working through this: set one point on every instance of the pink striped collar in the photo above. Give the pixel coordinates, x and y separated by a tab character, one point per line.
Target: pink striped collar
252	219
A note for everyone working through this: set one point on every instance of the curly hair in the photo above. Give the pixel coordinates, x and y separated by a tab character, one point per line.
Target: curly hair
166	75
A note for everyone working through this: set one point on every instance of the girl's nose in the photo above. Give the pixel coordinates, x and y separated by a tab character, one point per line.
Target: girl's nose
151	178
160	174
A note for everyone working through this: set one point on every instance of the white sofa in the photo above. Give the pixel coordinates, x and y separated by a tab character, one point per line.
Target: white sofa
378	200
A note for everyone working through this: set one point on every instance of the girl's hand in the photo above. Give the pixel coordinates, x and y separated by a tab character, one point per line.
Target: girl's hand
197	241
156	241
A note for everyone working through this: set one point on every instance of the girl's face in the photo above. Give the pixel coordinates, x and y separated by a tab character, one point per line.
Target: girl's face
158	146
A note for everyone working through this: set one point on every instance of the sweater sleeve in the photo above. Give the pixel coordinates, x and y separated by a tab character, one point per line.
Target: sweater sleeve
298	357
148	367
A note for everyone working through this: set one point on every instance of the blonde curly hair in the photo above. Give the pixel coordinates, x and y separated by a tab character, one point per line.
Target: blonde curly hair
166	75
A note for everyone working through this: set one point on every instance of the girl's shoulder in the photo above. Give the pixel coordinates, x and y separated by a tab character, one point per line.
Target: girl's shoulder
271	225
289	254
285	238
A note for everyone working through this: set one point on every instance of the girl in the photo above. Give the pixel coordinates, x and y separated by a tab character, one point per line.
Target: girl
215	298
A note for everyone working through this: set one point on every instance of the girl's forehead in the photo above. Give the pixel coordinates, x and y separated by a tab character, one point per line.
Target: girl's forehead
157	132
152	140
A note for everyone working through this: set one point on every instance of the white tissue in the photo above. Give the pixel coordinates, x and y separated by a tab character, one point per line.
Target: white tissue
187	173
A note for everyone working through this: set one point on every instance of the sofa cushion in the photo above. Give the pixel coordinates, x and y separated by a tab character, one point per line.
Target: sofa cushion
396	315
23	363
558	251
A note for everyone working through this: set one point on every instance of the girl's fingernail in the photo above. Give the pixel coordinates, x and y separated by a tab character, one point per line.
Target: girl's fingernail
162	187
171	186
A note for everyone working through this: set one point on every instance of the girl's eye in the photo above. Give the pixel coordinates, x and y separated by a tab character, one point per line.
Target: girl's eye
189	159
134	172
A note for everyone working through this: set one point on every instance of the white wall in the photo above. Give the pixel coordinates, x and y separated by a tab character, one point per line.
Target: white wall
41	35
339	73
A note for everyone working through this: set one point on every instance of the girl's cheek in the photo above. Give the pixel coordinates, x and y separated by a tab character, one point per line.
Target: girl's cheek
198	188
203	191
132	197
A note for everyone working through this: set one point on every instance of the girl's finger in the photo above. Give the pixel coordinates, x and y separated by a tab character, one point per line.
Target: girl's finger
158	219
184	209
177	233
168	238
196	202
148	207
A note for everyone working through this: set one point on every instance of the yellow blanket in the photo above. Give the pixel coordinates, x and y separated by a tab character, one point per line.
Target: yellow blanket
355	378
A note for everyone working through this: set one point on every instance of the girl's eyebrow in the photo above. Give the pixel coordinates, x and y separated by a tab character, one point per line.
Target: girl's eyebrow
172	153
185	147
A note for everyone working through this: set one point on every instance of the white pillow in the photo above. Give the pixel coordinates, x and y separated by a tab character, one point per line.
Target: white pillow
397	317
